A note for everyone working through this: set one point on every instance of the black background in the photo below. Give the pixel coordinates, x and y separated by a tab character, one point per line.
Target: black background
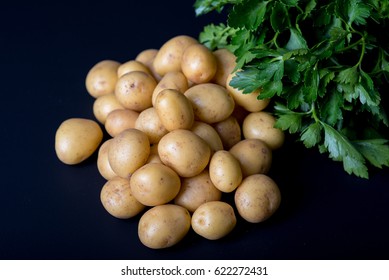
49	210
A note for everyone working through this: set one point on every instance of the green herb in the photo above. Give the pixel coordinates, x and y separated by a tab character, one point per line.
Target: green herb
323	63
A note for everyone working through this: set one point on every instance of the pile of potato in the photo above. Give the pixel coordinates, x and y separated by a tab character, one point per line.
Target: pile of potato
180	137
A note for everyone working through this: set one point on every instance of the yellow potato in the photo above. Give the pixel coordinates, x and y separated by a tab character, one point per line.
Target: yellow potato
150	123
120	120
154	156
103	165
257	198
249	101
132	65
197	190
208	134
118	200
172	80
225	171
128	151
104	105
253	155
170	54
76	139
213	220
229	131
260	125
198	64
147	58
226	62
155	184
102	77
211	103
184	151
163	226
135	89
174	110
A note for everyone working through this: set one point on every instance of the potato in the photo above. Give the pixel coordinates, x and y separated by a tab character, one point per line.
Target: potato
147	58
174	110
150	123
170	54
260	125
229	131
128	151
197	190
163	226
155	184
225	171
226	62
135	89
253	155
101	78
120	120
208	134
172	80
213	220
211	102
154	156
105	104
76	139
132	65
249	101
103	165
257	198
118	200
198	64
184	151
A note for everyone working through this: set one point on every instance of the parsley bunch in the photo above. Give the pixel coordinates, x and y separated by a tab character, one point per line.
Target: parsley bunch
323	64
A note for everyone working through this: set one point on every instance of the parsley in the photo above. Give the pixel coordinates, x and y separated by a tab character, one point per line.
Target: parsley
323	63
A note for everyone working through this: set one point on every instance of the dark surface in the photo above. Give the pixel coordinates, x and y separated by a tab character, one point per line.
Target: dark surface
49	210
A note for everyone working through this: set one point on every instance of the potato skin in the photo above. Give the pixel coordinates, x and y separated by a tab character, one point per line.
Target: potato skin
197	190
101	78
184	151
226	62
103	165
213	220
229	131
172	80
163	226
128	151
132	65
155	184
260	125
118	200
149	122
105	104
208	134
257	198
120	120
253	155
76	139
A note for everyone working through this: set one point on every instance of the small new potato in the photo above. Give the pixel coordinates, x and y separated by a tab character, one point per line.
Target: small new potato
150	123
257	198
135	89
105	104
147	58
155	184
174	110
260	125
225	171
211	103
103	165
213	220
128	151
208	134
163	226
120	120
171	80
253	155
198	64
102	77
76	139
117	199
248	101
229	131
132	65
197	190
170	54
226	62
184	151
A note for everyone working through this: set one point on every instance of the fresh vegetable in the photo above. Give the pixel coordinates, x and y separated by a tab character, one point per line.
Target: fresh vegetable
324	64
